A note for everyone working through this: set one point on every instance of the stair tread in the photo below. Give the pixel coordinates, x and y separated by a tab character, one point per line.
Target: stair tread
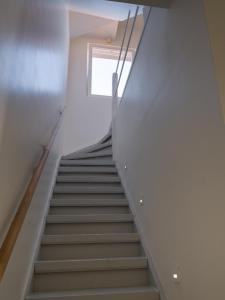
90	238
86	155
85	162
83	265
88	189
87	169
90	218
98	292
88	202
87	178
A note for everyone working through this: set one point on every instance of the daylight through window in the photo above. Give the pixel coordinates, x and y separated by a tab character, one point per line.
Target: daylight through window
102	65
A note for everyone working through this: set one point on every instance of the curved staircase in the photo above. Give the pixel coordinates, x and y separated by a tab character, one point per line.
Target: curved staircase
90	249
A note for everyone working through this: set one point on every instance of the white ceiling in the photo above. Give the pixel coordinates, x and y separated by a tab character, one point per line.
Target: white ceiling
102	8
83	24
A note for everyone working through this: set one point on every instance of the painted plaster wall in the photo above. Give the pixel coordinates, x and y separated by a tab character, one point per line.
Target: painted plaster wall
170	133
214	11
34	40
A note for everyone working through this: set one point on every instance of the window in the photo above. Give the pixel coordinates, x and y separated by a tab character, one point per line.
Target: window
102	64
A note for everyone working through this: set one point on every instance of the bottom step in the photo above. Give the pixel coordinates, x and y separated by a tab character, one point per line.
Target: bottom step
140	293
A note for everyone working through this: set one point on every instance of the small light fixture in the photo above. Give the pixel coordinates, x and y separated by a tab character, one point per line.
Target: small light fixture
141	202
125	167
176	276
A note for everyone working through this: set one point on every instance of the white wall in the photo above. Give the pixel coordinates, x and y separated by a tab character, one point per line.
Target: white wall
170	132
214	11
83	24
33	57
87	118
15	283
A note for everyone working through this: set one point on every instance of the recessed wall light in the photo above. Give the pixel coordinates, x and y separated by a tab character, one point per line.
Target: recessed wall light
175	276
125	167
141	201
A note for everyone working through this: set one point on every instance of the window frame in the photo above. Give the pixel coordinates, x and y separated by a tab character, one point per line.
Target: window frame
90	47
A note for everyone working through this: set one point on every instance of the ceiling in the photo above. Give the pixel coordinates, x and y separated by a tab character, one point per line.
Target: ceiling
92	26
102	8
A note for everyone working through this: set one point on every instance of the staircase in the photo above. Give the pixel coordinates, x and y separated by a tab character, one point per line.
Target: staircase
90	249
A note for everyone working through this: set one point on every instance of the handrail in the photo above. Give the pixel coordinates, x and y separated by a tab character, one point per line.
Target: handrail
17	222
128	45
125	33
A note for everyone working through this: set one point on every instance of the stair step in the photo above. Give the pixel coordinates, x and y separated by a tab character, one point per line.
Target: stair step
88	251
134	293
106	146
84	265
86	210
88	169
90	149
85	162
88	202
100	153
89	189
101	218
86	246
87	178
90	228
77	276
90	238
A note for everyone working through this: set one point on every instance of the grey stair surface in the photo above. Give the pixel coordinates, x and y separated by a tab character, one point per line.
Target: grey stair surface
87	162
101	218
102	153
88	169
140	293
90	238
87	179
88	189
90	249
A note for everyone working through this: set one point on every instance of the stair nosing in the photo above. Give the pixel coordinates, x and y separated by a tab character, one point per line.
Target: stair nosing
90	292
89	218
84	162
87	179
86	265
90	238
87	203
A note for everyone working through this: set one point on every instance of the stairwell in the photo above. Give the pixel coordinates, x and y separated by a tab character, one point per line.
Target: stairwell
90	248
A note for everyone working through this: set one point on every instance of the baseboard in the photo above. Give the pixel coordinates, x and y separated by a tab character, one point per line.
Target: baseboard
137	220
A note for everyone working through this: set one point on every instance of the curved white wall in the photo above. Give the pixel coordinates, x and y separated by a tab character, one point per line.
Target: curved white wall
87	118
170	133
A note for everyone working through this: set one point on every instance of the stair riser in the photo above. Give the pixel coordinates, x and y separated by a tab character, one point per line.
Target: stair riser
88	184
118	296
87	191
87	170
103	152
88	197
81	251
89	228
87	210
87	162
94	155
96	279
88	179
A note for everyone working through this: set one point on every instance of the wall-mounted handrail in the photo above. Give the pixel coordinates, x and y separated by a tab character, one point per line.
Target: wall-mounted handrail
17	222
127	48
124	37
